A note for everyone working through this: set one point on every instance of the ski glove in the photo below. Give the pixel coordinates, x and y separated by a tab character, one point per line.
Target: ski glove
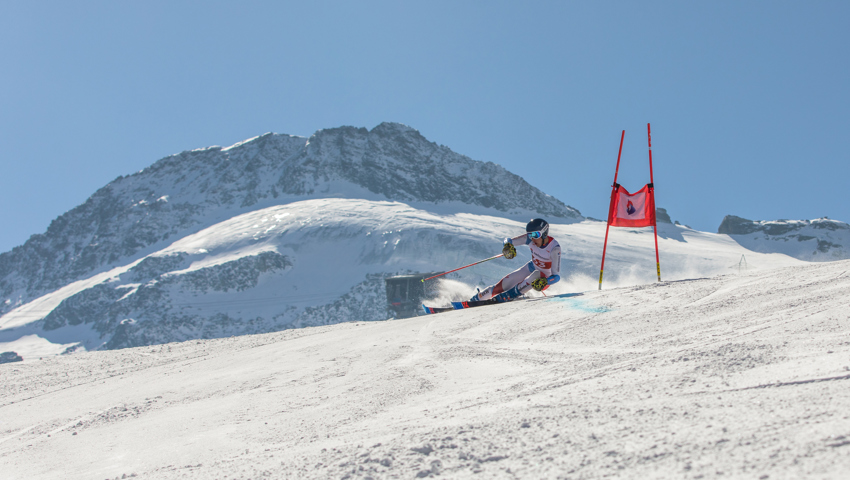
509	251
540	284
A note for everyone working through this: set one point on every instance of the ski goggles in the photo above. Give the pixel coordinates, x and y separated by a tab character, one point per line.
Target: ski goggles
535	234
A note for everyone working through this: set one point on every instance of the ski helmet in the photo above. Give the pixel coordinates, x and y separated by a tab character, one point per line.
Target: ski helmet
538	225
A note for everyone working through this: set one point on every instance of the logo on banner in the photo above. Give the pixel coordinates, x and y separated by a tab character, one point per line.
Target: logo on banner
630	208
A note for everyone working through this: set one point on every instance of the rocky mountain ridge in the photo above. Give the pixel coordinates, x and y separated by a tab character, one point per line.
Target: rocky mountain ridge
817	240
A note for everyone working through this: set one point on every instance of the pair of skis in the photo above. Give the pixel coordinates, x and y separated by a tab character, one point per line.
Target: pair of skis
503	297
460	306
493	301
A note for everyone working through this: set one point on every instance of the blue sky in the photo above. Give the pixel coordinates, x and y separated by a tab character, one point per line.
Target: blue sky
748	100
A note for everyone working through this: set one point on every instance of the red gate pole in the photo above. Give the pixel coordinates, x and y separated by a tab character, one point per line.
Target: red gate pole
613	191
652	182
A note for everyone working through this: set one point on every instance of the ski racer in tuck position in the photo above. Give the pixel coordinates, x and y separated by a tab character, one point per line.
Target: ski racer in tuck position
543	269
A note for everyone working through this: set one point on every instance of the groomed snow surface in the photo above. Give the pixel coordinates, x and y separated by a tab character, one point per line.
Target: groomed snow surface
745	375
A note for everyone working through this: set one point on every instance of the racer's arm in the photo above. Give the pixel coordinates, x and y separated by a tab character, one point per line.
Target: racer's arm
556	266
516	240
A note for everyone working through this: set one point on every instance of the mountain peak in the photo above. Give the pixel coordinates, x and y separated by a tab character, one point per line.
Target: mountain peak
392	128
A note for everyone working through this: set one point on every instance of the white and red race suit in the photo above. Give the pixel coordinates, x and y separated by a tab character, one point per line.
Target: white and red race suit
545	261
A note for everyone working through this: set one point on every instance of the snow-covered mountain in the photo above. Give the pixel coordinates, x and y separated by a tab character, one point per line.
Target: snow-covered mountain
818	240
179	195
282	232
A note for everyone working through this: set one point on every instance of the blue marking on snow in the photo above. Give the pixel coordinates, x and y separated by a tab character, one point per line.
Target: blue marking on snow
569	301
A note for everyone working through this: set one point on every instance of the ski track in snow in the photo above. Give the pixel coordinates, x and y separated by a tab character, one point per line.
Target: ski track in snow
736	376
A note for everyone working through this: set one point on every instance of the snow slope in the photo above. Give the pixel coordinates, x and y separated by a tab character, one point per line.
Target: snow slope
742	375
323	261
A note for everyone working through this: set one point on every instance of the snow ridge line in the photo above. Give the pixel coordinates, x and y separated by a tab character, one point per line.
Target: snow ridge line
19	433
784	384
773	385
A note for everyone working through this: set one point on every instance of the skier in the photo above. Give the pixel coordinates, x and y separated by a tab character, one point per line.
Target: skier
543	269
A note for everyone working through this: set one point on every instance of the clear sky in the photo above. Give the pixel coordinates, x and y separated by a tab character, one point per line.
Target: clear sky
748	100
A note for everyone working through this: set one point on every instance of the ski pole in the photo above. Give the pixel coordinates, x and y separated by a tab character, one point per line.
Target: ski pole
461	268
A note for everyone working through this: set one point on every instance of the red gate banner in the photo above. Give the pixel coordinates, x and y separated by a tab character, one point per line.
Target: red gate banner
632	209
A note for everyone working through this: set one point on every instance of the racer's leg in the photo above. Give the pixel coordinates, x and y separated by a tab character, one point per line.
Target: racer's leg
525	285
509	281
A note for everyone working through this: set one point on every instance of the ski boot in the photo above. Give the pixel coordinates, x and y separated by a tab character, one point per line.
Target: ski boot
507	295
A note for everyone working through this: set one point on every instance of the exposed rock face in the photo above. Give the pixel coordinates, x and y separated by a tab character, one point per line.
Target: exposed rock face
661	216
397	162
9	357
732	225
106	306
